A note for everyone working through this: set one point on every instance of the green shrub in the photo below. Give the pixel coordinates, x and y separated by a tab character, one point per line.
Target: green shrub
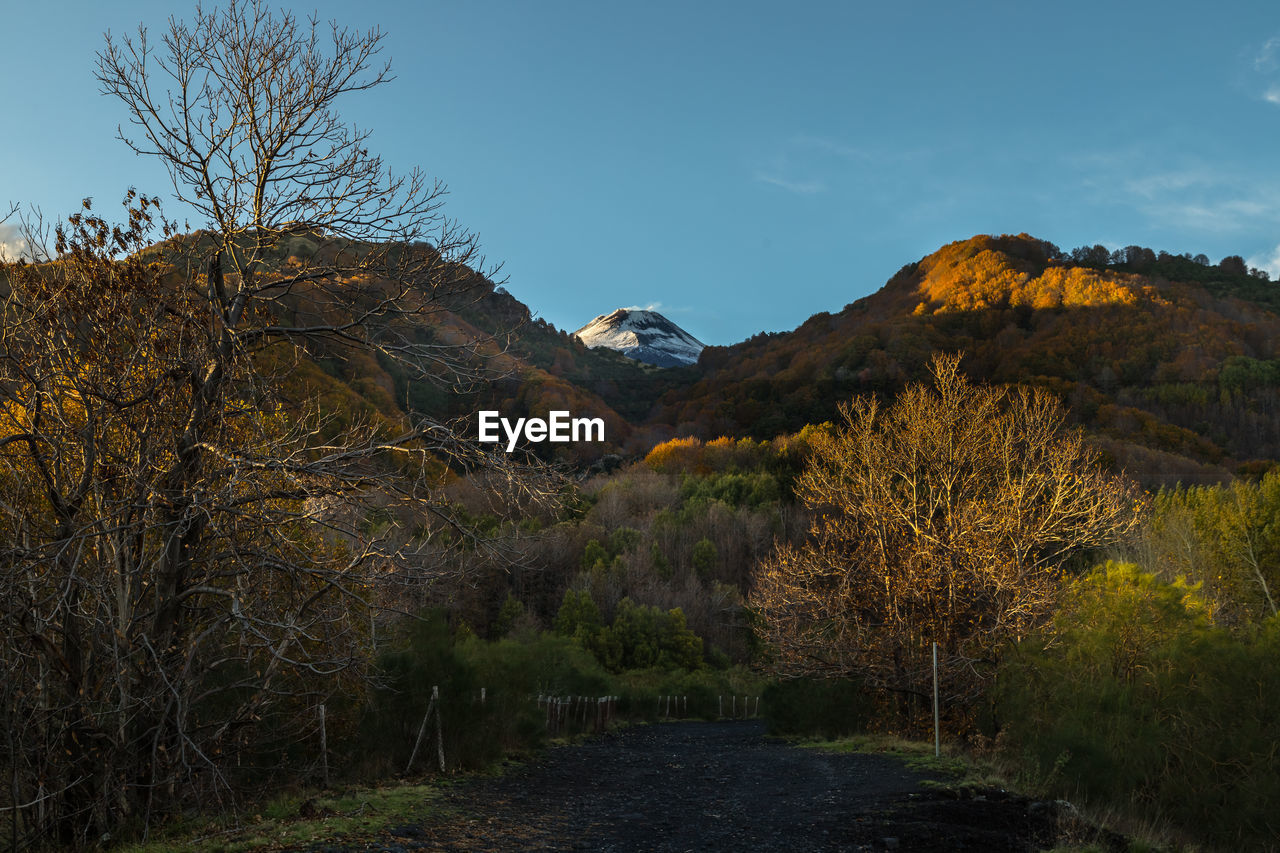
512	609
422	658
1137	697
594	554
639	637
545	664
646	636
624	539
704	558
821	707
653	651
578	614
735	489
512	672
706	693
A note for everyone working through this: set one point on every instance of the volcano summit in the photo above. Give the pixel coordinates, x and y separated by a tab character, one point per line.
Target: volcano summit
643	335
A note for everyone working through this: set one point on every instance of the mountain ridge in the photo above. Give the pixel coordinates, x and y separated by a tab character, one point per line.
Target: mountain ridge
1170	364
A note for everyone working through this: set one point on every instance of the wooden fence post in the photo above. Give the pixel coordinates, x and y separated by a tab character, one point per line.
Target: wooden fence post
421	731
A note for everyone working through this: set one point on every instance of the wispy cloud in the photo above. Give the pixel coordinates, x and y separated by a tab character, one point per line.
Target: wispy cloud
1195	196
803	163
1268	56
1160	184
1223	216
652	306
809	164
813	143
1266	63
1202	198
797	187
829	146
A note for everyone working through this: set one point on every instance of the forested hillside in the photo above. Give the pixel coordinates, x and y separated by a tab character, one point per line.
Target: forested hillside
1171	364
521	365
1168	362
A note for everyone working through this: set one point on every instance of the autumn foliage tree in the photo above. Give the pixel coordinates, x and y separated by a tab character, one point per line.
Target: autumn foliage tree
139	649
948	517
185	558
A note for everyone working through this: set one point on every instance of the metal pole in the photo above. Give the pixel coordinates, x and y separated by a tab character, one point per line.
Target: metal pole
435	700
324	749
937	738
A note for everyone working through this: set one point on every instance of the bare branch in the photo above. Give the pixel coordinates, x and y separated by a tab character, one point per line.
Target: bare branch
946	517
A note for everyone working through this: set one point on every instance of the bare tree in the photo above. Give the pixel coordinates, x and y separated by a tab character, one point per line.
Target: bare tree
946	517
185	537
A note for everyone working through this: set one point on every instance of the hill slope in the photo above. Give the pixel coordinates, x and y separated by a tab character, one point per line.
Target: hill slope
1177	379
530	368
1173	366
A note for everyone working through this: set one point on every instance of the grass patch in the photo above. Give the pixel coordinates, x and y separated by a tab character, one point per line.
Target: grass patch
916	755
298	819
966	776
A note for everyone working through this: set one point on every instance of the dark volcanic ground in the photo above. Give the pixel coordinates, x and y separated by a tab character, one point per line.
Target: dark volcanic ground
716	787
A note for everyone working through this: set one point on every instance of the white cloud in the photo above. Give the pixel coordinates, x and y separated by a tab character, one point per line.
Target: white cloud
1270	263
652	306
1272	95
797	187
12	244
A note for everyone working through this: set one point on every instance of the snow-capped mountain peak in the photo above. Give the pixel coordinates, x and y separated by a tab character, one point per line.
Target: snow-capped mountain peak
643	335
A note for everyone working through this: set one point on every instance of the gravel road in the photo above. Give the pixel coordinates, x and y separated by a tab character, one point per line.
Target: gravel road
715	787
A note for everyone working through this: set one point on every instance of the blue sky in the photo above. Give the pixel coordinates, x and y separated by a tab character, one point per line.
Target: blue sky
743	165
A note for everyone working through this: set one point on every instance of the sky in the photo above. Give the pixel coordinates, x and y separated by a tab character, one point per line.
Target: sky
739	165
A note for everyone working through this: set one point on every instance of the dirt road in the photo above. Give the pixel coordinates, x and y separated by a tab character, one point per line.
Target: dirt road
716	787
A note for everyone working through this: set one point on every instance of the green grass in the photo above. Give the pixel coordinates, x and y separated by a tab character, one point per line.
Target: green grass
917	755
955	775
297	819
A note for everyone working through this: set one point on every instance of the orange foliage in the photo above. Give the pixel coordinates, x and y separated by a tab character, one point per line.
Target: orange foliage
677	456
1107	341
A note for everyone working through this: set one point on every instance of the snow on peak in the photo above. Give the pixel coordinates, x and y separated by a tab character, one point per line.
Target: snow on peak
643	335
